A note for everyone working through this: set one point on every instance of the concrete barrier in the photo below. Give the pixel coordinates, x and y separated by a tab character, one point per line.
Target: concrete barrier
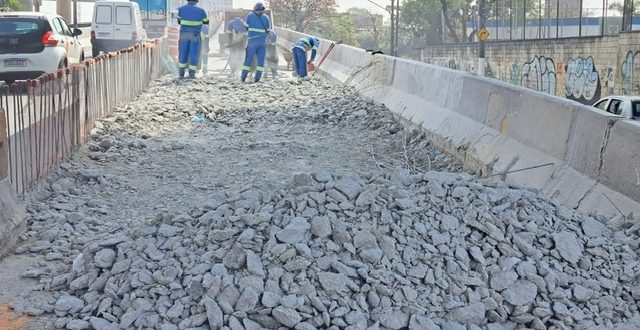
12	214
495	127
621	159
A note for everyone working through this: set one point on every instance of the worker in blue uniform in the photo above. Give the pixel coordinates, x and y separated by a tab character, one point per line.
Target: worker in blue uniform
299	51
191	18
259	26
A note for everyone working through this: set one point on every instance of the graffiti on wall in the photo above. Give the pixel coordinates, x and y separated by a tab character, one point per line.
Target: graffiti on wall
539	74
582	80
608	77
576	78
514	74
630	74
464	64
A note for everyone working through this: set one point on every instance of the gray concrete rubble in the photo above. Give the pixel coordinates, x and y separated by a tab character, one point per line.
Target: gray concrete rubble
304	215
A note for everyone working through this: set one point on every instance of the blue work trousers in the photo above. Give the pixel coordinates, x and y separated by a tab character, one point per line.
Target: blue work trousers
189	52
300	61
253	50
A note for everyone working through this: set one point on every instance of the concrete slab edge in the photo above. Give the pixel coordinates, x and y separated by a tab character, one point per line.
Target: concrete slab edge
12	218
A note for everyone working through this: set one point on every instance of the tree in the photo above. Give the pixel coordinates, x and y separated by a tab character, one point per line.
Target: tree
421	22
299	15
370	30
10	5
339	26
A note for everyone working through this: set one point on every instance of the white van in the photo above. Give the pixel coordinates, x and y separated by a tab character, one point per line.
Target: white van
116	25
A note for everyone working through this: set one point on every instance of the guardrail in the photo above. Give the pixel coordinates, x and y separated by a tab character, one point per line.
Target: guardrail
44	119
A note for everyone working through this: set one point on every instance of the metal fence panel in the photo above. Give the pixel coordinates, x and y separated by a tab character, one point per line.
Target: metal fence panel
48	117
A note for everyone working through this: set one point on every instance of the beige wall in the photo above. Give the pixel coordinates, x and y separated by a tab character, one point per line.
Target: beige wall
581	69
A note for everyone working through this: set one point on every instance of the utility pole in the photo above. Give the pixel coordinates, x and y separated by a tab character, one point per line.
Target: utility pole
393	30
482	61
27	5
397	29
75	14
63	8
395	19
627	15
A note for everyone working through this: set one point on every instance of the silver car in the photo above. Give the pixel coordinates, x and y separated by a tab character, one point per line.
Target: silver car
623	106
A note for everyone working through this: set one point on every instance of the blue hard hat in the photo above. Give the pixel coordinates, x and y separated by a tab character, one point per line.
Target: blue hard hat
259	6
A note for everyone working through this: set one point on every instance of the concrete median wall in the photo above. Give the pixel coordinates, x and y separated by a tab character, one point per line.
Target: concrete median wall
497	127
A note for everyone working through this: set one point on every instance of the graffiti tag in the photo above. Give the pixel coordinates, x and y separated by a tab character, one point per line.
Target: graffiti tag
539	74
630	74
582	82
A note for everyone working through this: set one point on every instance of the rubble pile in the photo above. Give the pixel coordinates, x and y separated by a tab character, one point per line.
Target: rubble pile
305	207
385	252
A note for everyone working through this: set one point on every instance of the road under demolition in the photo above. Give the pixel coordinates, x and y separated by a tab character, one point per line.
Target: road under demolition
300	205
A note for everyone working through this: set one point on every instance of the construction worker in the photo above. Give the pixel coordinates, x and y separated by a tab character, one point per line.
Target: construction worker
259	25
191	18
299	50
237	42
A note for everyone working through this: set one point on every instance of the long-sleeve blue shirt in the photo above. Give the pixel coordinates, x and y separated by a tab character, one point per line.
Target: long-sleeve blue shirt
307	43
259	25
191	17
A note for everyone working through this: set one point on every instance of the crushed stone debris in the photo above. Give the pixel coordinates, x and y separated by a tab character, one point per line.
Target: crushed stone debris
306	207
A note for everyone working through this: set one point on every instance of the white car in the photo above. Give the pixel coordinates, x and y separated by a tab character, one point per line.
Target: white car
32	44
623	106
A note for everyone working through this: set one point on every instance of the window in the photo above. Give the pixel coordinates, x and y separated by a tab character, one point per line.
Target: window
615	107
65	27
601	105
21	26
123	15
103	15
57	26
635	109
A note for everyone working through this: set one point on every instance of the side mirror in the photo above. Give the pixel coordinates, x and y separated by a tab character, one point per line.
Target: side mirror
77	32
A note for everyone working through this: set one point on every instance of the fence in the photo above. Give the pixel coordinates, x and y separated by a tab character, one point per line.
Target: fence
47	117
549	19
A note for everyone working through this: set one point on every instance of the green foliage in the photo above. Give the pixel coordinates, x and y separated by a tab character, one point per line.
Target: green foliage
420	21
371	32
339	26
299	15
11	4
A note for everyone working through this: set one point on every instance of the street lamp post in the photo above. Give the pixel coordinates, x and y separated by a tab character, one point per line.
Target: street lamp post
395	23
482	62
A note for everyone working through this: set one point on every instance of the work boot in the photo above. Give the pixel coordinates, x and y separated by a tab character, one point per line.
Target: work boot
192	74
181	73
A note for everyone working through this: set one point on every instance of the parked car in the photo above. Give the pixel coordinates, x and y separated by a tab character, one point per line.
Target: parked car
33	43
623	106
116	25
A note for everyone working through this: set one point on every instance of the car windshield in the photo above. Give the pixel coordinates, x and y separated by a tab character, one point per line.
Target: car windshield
635	108
17	26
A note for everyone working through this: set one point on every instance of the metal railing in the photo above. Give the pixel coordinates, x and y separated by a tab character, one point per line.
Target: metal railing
44	119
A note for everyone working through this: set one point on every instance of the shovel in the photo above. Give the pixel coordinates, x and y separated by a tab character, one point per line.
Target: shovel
324	57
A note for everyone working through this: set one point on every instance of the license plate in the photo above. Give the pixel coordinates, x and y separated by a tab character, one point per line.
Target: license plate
15	63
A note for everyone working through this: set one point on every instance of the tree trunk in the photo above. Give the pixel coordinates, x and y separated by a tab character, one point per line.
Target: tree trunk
447	22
